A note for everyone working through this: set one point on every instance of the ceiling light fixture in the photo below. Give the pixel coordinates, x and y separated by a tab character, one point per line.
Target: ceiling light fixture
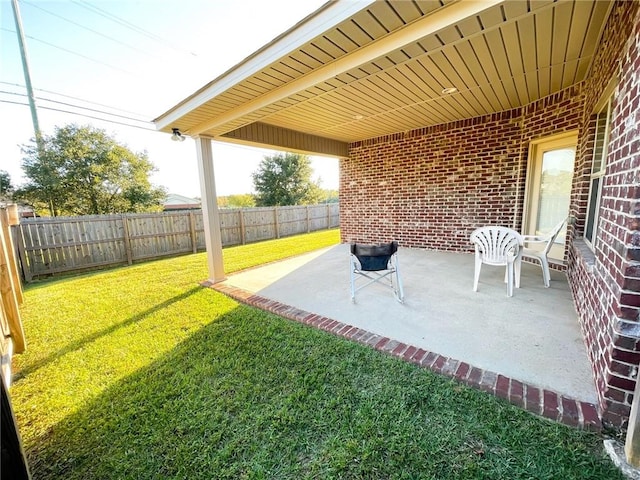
449	90
177	136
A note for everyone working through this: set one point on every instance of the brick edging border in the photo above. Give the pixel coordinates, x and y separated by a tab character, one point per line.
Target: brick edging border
539	401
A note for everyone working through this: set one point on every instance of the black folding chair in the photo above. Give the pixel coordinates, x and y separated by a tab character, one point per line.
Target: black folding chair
376	263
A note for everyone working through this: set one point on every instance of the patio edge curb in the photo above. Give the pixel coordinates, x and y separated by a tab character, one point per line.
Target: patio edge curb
538	401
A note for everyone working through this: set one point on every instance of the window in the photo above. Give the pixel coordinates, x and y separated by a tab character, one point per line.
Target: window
600	149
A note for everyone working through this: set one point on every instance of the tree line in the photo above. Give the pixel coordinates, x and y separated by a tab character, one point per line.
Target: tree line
80	170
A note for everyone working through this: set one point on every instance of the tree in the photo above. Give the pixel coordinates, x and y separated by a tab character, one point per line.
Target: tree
6	189
330	196
242	200
83	171
285	179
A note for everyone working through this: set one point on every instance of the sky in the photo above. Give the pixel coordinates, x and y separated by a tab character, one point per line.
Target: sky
129	62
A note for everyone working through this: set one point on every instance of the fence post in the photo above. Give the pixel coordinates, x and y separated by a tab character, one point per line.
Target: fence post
275	221
243	232
328	216
8	292
308	221
9	218
22	253
192	229
127	239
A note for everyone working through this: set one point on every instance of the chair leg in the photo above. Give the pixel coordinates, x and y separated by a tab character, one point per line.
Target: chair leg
510	278
546	276
400	291
518	269
353	281
476	273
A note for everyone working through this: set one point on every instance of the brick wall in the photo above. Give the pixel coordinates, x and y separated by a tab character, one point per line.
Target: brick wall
606	283
431	187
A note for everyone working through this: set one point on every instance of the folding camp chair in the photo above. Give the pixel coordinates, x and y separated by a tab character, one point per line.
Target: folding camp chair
376	263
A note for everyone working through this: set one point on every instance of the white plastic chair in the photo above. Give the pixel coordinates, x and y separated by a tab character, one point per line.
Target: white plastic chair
498	246
375	263
541	255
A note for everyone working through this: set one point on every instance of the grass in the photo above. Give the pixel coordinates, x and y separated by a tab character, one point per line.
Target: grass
140	373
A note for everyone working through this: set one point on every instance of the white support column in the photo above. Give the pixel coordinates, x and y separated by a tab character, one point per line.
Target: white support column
210	215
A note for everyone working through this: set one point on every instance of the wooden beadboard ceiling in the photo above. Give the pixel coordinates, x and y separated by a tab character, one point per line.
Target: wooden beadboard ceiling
503	57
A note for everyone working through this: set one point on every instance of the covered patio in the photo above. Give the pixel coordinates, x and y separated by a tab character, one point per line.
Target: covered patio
447	116
530	341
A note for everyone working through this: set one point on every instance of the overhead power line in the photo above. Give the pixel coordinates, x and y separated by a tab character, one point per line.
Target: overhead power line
83	100
125	118
69	51
44	107
130	26
84	27
66	104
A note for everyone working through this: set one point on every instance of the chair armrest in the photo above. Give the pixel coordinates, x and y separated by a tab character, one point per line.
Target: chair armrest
534	239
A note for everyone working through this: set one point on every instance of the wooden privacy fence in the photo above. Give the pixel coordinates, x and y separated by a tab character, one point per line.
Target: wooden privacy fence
47	246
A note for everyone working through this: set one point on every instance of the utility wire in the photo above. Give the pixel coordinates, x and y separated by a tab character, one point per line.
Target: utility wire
118	20
111	17
80	100
108	37
81	115
238	146
77	106
69	51
129	25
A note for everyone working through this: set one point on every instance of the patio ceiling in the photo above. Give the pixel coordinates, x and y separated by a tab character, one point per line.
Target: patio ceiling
357	70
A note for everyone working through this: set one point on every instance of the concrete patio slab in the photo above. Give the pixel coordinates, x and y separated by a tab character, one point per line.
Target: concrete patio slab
533	337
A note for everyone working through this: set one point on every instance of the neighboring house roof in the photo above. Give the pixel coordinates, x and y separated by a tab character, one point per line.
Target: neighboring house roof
174	201
23	209
354	70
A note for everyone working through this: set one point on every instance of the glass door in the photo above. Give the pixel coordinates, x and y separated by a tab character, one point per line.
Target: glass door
549	189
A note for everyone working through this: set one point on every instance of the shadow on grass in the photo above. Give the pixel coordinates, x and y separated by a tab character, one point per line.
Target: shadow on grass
251	395
80	343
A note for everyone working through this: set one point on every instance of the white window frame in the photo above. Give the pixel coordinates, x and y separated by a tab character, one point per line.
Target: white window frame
537	148
598	168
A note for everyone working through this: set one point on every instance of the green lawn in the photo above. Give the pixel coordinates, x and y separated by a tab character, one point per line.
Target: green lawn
139	373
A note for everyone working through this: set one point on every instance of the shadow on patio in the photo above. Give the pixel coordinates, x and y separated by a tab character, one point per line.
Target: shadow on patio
527	348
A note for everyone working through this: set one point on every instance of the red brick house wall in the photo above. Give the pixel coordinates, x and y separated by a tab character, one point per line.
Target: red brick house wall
431	187
606	283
